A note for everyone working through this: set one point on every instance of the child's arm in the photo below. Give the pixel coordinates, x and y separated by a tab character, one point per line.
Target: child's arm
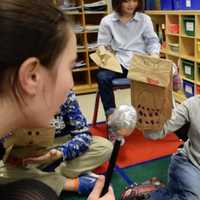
76	126
180	116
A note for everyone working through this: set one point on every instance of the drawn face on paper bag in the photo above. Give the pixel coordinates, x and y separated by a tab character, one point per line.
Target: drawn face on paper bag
148	109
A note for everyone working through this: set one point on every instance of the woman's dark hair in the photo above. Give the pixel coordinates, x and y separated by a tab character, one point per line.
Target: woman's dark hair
29	28
27	189
117	4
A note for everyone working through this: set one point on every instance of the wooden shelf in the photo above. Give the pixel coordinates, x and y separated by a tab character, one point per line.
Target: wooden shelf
85	77
96	13
188	46
80	69
187	79
187	36
72	13
173	34
179	96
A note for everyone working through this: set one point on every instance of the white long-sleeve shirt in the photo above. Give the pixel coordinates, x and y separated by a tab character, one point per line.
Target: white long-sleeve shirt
136	36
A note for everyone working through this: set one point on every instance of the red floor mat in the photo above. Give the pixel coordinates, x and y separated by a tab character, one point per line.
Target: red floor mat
137	149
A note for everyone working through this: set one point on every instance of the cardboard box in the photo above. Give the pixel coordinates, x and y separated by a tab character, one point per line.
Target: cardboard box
151	91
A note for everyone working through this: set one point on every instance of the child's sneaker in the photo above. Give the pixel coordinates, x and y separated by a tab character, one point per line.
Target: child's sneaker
86	183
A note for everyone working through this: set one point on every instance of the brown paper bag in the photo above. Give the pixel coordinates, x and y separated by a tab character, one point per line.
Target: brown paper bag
151	91
42	137
29	142
105	59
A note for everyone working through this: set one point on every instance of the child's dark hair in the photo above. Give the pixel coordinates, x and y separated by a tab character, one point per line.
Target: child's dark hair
27	189
116	5
33	28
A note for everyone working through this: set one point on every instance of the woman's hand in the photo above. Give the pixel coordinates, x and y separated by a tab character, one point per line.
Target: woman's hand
96	192
52	155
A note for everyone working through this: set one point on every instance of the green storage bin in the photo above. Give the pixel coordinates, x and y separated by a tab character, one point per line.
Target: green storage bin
189	25
198	67
188	69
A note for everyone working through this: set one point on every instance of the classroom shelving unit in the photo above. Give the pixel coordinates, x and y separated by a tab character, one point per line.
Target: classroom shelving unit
179	32
85	23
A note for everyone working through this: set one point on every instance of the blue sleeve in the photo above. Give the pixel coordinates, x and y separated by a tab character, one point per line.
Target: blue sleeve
75	124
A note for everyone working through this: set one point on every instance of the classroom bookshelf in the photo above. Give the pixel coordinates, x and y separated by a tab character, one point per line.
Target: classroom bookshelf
179	33
85	18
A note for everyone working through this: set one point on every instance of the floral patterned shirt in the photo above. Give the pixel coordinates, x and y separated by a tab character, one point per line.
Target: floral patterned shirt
71	121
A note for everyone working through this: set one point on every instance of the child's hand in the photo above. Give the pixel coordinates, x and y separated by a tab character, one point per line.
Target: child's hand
52	155
96	192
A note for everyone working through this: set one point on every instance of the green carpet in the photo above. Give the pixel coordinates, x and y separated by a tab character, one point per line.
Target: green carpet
137	173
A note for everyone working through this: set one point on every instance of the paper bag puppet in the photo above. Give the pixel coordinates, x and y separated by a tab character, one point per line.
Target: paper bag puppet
151	91
105	59
29	142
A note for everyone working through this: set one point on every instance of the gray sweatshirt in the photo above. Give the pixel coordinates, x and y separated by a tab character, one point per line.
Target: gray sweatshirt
188	111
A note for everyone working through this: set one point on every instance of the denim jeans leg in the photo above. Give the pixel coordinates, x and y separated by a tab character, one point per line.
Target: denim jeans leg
104	79
184	178
183	181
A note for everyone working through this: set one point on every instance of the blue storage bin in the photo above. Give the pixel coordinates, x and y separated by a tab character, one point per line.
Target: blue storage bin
188	88
186	4
166	5
195	5
179	4
150	4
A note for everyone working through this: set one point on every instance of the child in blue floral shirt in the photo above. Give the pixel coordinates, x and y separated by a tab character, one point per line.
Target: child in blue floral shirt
74	155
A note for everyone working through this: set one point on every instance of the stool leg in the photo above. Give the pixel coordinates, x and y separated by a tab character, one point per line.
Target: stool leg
96	108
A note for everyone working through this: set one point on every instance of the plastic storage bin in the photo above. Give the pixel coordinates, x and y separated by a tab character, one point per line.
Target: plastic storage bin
166	5
188	88
150	4
173	28
188	69
189	25
178	4
198	89
186	4
174	47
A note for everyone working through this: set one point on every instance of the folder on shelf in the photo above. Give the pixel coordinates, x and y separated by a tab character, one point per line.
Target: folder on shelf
96	6
105	59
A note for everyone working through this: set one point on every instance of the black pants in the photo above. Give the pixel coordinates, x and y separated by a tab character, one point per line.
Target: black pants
104	79
182	133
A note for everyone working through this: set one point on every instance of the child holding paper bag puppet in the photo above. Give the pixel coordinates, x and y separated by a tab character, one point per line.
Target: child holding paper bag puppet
125	31
74	153
184	168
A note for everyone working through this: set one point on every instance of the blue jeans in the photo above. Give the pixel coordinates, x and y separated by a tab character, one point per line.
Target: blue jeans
104	79
184	181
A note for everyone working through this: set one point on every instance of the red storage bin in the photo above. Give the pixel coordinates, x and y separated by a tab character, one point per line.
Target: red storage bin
173	28
197	89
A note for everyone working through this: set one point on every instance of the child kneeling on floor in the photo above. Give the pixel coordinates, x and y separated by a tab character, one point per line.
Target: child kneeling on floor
75	153
184	169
